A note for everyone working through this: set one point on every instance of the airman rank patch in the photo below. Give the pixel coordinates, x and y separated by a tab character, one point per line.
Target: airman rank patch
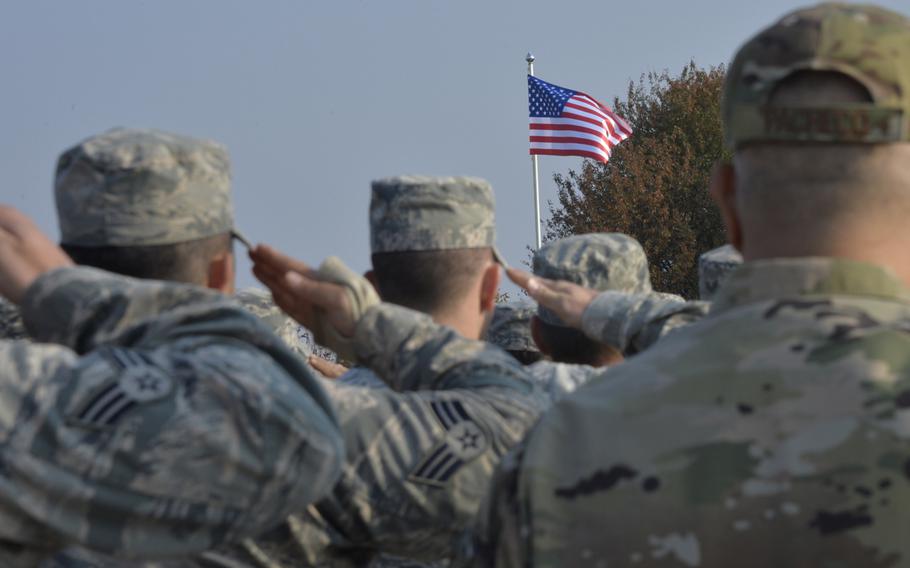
134	380
464	441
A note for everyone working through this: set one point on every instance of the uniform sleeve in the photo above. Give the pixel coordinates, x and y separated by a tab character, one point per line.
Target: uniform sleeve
634	322
409	351
170	435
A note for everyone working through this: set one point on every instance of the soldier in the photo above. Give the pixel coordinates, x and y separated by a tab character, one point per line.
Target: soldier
423	446
603	261
713	268
773	432
152	204
165	421
638	316
157	205
433	250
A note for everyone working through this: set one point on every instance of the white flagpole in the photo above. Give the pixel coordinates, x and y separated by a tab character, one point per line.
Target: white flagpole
530	59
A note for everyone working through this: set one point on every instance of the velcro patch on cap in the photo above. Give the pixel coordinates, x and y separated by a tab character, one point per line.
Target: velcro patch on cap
845	124
465	440
133	381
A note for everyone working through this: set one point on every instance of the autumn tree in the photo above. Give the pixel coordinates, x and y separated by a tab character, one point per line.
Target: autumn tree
655	184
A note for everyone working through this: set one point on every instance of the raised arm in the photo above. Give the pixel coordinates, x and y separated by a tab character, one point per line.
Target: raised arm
406	348
184	424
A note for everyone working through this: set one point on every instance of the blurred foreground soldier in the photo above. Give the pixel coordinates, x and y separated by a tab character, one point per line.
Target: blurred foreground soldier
165	421
713	268
421	449
775	431
433	250
156	205
510	330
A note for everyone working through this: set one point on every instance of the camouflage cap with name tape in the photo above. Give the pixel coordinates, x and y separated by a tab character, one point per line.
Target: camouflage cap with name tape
423	213
134	187
871	45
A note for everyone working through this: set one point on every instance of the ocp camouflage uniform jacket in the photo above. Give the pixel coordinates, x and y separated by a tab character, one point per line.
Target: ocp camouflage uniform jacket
164	422
772	433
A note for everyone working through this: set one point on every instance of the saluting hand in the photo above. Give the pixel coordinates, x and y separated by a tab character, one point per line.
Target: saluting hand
25	254
297	289
565	299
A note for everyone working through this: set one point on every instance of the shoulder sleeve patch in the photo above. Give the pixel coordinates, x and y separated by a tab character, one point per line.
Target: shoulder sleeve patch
133	380
465	440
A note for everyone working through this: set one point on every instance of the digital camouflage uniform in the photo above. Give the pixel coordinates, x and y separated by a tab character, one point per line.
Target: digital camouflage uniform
153	420
775	431
633	315
713	268
601	261
420	213
421	446
132	187
11	326
510	328
259	303
139	187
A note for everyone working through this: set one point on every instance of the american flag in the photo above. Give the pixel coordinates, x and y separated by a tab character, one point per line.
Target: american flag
570	123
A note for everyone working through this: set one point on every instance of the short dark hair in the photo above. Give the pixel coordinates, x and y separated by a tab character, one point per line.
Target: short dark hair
430	280
569	345
180	262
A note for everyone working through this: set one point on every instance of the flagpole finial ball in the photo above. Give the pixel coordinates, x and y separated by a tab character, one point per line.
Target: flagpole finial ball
529	57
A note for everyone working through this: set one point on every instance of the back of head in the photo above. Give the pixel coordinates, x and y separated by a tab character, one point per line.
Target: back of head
511	330
601	261
817	111
431	238
713	268
145	203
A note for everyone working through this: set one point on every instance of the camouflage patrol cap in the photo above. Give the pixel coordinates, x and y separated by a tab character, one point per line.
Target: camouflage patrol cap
713	268
511	326
602	261
866	43
420	213
129	187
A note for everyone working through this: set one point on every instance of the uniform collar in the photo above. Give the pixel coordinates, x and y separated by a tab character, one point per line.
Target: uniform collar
763	280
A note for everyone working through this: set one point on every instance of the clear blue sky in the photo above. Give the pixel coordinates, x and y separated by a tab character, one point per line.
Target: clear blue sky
314	99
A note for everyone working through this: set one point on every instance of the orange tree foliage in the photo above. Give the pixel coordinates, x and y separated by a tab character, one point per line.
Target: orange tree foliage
655	185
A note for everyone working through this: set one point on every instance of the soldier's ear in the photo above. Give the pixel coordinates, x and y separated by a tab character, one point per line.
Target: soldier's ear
723	192
221	273
538	337
488	288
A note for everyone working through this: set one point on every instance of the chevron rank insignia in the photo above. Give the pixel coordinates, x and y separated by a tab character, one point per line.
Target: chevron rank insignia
134	380
464	441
